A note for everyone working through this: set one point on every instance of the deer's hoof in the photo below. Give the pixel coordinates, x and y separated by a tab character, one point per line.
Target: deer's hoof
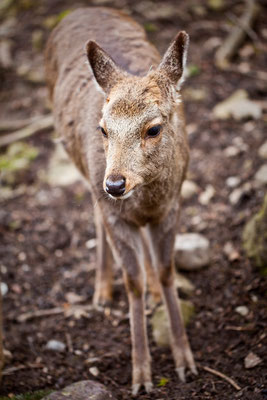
137	386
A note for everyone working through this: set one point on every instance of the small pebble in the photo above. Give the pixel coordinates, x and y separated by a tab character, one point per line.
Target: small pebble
252	360
3	288
94	371
242	310
233	181
263	150
55	345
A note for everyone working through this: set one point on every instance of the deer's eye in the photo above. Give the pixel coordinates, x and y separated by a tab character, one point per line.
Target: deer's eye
153	131
104	133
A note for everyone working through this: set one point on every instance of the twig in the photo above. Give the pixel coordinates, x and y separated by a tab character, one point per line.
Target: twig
221	375
237	35
11	370
44	122
7	125
68	310
69	342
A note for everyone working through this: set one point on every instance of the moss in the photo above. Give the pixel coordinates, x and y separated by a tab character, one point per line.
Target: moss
255	237
28	396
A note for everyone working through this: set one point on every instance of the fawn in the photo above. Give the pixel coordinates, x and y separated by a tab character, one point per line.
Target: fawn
122	123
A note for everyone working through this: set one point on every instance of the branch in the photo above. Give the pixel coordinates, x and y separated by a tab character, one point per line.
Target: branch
225	377
237	35
44	122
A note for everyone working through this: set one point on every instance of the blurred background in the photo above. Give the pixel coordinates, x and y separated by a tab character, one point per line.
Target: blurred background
47	236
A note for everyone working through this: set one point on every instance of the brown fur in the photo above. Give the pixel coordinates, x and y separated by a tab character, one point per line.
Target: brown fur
130	99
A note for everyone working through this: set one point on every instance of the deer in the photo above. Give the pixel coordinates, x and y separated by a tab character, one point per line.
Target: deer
118	111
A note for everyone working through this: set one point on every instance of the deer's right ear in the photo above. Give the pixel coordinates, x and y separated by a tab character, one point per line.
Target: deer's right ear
105	70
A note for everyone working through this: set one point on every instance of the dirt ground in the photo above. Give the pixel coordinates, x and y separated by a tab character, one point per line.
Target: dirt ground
44	229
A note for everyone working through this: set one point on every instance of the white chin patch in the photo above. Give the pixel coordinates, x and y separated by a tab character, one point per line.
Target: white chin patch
123	197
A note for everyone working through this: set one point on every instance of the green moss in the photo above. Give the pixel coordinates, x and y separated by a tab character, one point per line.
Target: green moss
18	156
150	27
29	396
51	21
255	237
163	382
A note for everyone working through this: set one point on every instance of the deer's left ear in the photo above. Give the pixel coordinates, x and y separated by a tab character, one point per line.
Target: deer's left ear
174	60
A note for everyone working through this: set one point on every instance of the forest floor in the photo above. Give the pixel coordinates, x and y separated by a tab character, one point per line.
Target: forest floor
44	228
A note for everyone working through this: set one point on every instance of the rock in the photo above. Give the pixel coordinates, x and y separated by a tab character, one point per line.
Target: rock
252	360
5	53
216	5
193	94
91	244
255	237
231	252
206	196
238	193
84	390
231	151
192	251
242	310
160	323
3	288
261	175
55	345
237	106
94	371
189	189
263	151
183	284
233	181
61	171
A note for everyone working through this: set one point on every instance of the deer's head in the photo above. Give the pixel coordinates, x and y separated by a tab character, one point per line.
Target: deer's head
139	116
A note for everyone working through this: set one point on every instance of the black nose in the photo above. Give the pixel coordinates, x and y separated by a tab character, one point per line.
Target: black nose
115	185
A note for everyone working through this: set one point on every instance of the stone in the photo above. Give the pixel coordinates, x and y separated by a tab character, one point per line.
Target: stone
160	323
231	151
261	175
192	251
3	288
94	371
242	310
189	189
183	284
255	237
263	151
206	196
238	106
233	181
55	345
237	194
83	390
252	360
61	171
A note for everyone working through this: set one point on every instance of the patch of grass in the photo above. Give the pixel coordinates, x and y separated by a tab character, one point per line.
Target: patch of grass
162	382
28	396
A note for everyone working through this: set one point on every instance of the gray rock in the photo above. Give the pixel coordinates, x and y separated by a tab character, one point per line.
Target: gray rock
3	288
55	345
233	181
252	360
84	390
206	196
261	175
183	284
192	251
160	323
189	189
238	106
242	310
263	151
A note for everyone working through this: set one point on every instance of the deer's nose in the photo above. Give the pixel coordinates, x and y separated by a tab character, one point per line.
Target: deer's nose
115	185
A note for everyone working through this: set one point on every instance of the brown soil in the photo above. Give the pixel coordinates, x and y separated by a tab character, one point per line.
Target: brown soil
43	233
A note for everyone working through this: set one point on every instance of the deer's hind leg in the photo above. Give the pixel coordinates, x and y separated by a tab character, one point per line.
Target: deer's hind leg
104	270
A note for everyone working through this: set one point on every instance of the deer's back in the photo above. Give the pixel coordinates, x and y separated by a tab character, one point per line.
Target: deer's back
76	101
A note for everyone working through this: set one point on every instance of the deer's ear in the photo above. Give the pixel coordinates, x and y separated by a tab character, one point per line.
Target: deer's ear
105	70
174	60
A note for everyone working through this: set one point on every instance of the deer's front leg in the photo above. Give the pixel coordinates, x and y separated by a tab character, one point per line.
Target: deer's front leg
127	250
162	237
